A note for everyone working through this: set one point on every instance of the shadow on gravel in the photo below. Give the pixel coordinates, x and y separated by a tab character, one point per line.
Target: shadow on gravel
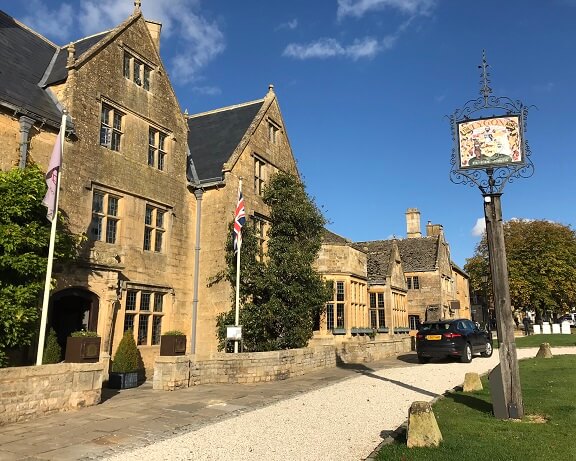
366	371
398	383
471	402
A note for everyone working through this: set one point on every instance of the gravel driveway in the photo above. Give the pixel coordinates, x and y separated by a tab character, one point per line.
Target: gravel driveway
342	421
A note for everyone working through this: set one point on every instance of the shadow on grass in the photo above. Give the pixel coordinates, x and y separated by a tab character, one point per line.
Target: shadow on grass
470	401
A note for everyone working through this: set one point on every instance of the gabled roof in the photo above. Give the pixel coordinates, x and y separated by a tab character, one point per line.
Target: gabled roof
213	136
58	71
330	238
24	57
458	269
419	254
378	263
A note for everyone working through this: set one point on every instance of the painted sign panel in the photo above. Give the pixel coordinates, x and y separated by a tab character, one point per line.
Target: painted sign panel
490	142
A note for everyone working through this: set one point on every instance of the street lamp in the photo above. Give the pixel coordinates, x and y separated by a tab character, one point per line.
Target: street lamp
490	150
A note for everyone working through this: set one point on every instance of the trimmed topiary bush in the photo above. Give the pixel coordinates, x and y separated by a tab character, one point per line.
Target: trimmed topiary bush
52	350
127	357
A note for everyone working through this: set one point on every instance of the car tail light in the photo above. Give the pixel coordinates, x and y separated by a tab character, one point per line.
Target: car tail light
452	335
419	336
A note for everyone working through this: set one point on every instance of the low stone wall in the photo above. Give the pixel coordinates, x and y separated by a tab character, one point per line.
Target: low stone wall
371	351
171	373
28	392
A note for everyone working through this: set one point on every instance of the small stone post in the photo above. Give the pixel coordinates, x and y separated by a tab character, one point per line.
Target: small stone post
472	382
544	352
423	430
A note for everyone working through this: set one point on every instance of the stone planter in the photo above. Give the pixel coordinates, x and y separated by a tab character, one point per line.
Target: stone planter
172	345
82	349
123	380
383	330
362	331
339	331
401	330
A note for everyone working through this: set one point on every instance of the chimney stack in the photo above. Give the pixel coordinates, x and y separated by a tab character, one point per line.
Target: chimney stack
154	28
413	223
434	230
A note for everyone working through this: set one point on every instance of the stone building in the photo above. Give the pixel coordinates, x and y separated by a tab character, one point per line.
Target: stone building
247	141
152	190
346	267
387	292
408	281
369	287
123	176
434	287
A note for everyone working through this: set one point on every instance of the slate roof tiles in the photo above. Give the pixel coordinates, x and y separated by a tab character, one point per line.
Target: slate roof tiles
213	137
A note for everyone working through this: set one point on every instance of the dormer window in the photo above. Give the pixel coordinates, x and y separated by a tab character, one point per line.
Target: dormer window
137	71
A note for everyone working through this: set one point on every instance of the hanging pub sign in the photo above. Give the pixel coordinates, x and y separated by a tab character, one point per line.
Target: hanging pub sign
490	142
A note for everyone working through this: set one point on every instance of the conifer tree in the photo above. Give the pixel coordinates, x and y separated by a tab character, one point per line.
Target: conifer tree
281	293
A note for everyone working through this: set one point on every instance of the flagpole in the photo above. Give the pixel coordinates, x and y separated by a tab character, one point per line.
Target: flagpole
238	245
46	299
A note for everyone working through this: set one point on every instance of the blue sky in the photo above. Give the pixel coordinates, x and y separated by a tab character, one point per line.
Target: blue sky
365	87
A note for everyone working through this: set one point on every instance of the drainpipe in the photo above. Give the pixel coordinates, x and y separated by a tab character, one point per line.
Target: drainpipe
198	193
25	124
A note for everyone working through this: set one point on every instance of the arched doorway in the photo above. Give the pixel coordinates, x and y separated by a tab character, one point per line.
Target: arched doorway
73	309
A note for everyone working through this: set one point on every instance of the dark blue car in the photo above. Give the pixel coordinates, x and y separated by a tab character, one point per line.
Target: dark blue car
452	338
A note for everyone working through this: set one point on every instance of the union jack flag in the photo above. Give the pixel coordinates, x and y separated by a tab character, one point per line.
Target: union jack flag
239	220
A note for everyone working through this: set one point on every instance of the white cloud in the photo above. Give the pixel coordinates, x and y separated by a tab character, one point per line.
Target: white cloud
290	25
479	228
196	40
55	23
208	90
329	47
358	8
199	40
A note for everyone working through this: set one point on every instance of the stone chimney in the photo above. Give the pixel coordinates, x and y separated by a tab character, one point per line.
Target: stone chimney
434	230
154	28
413	223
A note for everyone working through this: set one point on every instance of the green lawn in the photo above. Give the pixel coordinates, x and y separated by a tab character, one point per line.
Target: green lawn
470	431
554	340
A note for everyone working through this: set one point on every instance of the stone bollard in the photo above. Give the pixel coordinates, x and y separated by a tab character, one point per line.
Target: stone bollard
423	430
472	382
544	352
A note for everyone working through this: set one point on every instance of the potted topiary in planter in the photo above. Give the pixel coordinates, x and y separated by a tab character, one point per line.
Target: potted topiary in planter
173	343
52	350
82	347
124	373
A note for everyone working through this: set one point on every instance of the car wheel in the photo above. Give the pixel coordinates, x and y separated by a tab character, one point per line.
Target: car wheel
422	359
466	354
488	350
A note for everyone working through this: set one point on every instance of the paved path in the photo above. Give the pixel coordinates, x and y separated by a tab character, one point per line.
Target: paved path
218	420
136	417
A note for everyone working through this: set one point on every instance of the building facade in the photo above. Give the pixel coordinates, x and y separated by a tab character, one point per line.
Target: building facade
123	184
245	142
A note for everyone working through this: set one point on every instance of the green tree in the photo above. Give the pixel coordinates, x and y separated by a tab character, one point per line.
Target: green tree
24	239
541	257
281	293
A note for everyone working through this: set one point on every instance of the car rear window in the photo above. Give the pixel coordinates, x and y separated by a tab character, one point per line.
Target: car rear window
435	326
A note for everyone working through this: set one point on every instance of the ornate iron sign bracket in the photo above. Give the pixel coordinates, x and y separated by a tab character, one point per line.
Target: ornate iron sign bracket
493	178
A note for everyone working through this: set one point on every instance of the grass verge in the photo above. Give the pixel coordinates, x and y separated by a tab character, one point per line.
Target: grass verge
470	431
553	340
